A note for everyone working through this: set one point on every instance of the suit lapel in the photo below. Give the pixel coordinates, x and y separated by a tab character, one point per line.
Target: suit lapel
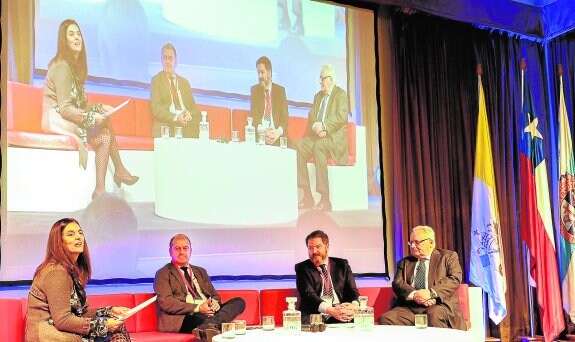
410	269
176	273
433	263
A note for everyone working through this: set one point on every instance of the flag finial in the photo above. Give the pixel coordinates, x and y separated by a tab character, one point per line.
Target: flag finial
523	64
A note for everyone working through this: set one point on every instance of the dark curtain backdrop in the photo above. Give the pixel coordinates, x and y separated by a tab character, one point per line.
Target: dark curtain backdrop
435	119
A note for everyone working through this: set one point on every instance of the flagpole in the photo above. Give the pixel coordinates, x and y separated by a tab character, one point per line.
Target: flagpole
527	261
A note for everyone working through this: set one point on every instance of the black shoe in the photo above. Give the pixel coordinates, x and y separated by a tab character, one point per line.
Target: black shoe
305	203
206	332
323	205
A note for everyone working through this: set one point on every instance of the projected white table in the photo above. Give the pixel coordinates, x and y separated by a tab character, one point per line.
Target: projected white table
233	184
379	333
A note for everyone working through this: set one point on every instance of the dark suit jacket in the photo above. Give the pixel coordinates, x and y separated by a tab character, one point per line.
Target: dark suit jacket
279	106
309	284
161	99
444	277
335	122
171	291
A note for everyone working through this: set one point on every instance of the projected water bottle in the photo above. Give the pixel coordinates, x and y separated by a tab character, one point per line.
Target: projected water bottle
204	127
250	131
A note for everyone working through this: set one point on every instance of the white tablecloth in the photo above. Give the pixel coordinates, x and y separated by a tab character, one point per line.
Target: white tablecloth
379	333
216	183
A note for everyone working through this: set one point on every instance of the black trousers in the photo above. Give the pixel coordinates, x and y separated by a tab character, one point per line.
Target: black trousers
227	313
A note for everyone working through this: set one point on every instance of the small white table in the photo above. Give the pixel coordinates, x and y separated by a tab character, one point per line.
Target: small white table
217	183
379	333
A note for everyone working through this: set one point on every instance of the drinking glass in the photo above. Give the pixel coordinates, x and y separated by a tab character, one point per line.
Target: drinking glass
165	130
235	136
421	321
240	326
228	330
268	323
178	132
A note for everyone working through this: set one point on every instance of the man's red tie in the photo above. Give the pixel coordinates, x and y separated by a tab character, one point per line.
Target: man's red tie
191	286
268	110
175	96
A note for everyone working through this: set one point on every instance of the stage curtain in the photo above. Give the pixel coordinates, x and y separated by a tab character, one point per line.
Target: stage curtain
20	40
433	132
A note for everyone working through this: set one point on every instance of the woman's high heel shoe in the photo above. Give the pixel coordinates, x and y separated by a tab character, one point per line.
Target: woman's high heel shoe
126	178
96	194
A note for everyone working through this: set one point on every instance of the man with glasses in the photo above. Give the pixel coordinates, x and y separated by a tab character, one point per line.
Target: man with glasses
325	137
426	282
325	284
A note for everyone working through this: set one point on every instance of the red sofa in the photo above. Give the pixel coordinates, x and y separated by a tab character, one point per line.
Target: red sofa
143	325
132	124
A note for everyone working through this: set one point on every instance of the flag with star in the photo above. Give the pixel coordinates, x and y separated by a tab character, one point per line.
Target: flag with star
536	222
566	207
487	268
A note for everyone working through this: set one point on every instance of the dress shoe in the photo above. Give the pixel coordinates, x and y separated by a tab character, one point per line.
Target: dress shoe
206	332
305	203
297	29
322	206
125	178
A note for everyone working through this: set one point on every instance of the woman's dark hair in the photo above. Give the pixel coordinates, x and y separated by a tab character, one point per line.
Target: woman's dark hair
56	254
64	53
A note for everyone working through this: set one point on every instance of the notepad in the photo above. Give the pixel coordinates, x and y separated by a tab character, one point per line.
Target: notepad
117	108
137	308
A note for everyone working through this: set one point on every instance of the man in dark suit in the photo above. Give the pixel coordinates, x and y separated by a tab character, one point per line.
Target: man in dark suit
426	282
172	101
326	285
268	104
325	137
188	302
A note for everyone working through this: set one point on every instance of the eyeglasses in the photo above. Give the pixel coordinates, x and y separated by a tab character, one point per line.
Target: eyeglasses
416	243
321	78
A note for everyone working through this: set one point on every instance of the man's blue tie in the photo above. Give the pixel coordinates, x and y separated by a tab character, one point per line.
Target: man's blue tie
419	282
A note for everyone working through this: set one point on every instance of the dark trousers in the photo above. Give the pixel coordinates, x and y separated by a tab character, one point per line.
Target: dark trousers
320	149
437	316
227	313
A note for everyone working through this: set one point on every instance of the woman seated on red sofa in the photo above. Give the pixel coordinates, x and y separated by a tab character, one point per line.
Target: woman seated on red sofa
57	305
65	110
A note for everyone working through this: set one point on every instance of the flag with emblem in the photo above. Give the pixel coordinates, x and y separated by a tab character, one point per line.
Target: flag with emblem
487	268
536	222
566	207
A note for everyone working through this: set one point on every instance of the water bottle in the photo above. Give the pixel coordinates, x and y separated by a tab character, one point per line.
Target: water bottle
292	318
250	132
204	127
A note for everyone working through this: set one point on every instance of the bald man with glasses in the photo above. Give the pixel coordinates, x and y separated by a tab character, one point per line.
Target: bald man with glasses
426	282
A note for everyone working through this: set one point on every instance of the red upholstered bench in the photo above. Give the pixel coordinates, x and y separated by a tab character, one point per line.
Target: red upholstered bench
380	298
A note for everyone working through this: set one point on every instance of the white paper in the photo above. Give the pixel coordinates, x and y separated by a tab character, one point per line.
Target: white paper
137	308
115	109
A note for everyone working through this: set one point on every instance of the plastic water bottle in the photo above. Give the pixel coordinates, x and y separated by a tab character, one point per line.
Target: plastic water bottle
250	131
204	127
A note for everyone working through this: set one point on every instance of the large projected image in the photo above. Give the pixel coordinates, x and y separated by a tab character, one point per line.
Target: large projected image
230	185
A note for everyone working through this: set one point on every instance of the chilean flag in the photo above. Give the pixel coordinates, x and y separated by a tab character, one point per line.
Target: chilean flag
536	222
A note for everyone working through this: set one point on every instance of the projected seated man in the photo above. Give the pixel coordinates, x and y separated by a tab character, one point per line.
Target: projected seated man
268	104
172	100
325	284
187	300
325	137
426	282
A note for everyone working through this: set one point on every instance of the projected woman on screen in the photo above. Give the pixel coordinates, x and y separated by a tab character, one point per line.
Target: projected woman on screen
66	111
57	305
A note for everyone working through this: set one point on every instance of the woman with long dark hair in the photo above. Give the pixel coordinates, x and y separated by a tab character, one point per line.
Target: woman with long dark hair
66	111
57	304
